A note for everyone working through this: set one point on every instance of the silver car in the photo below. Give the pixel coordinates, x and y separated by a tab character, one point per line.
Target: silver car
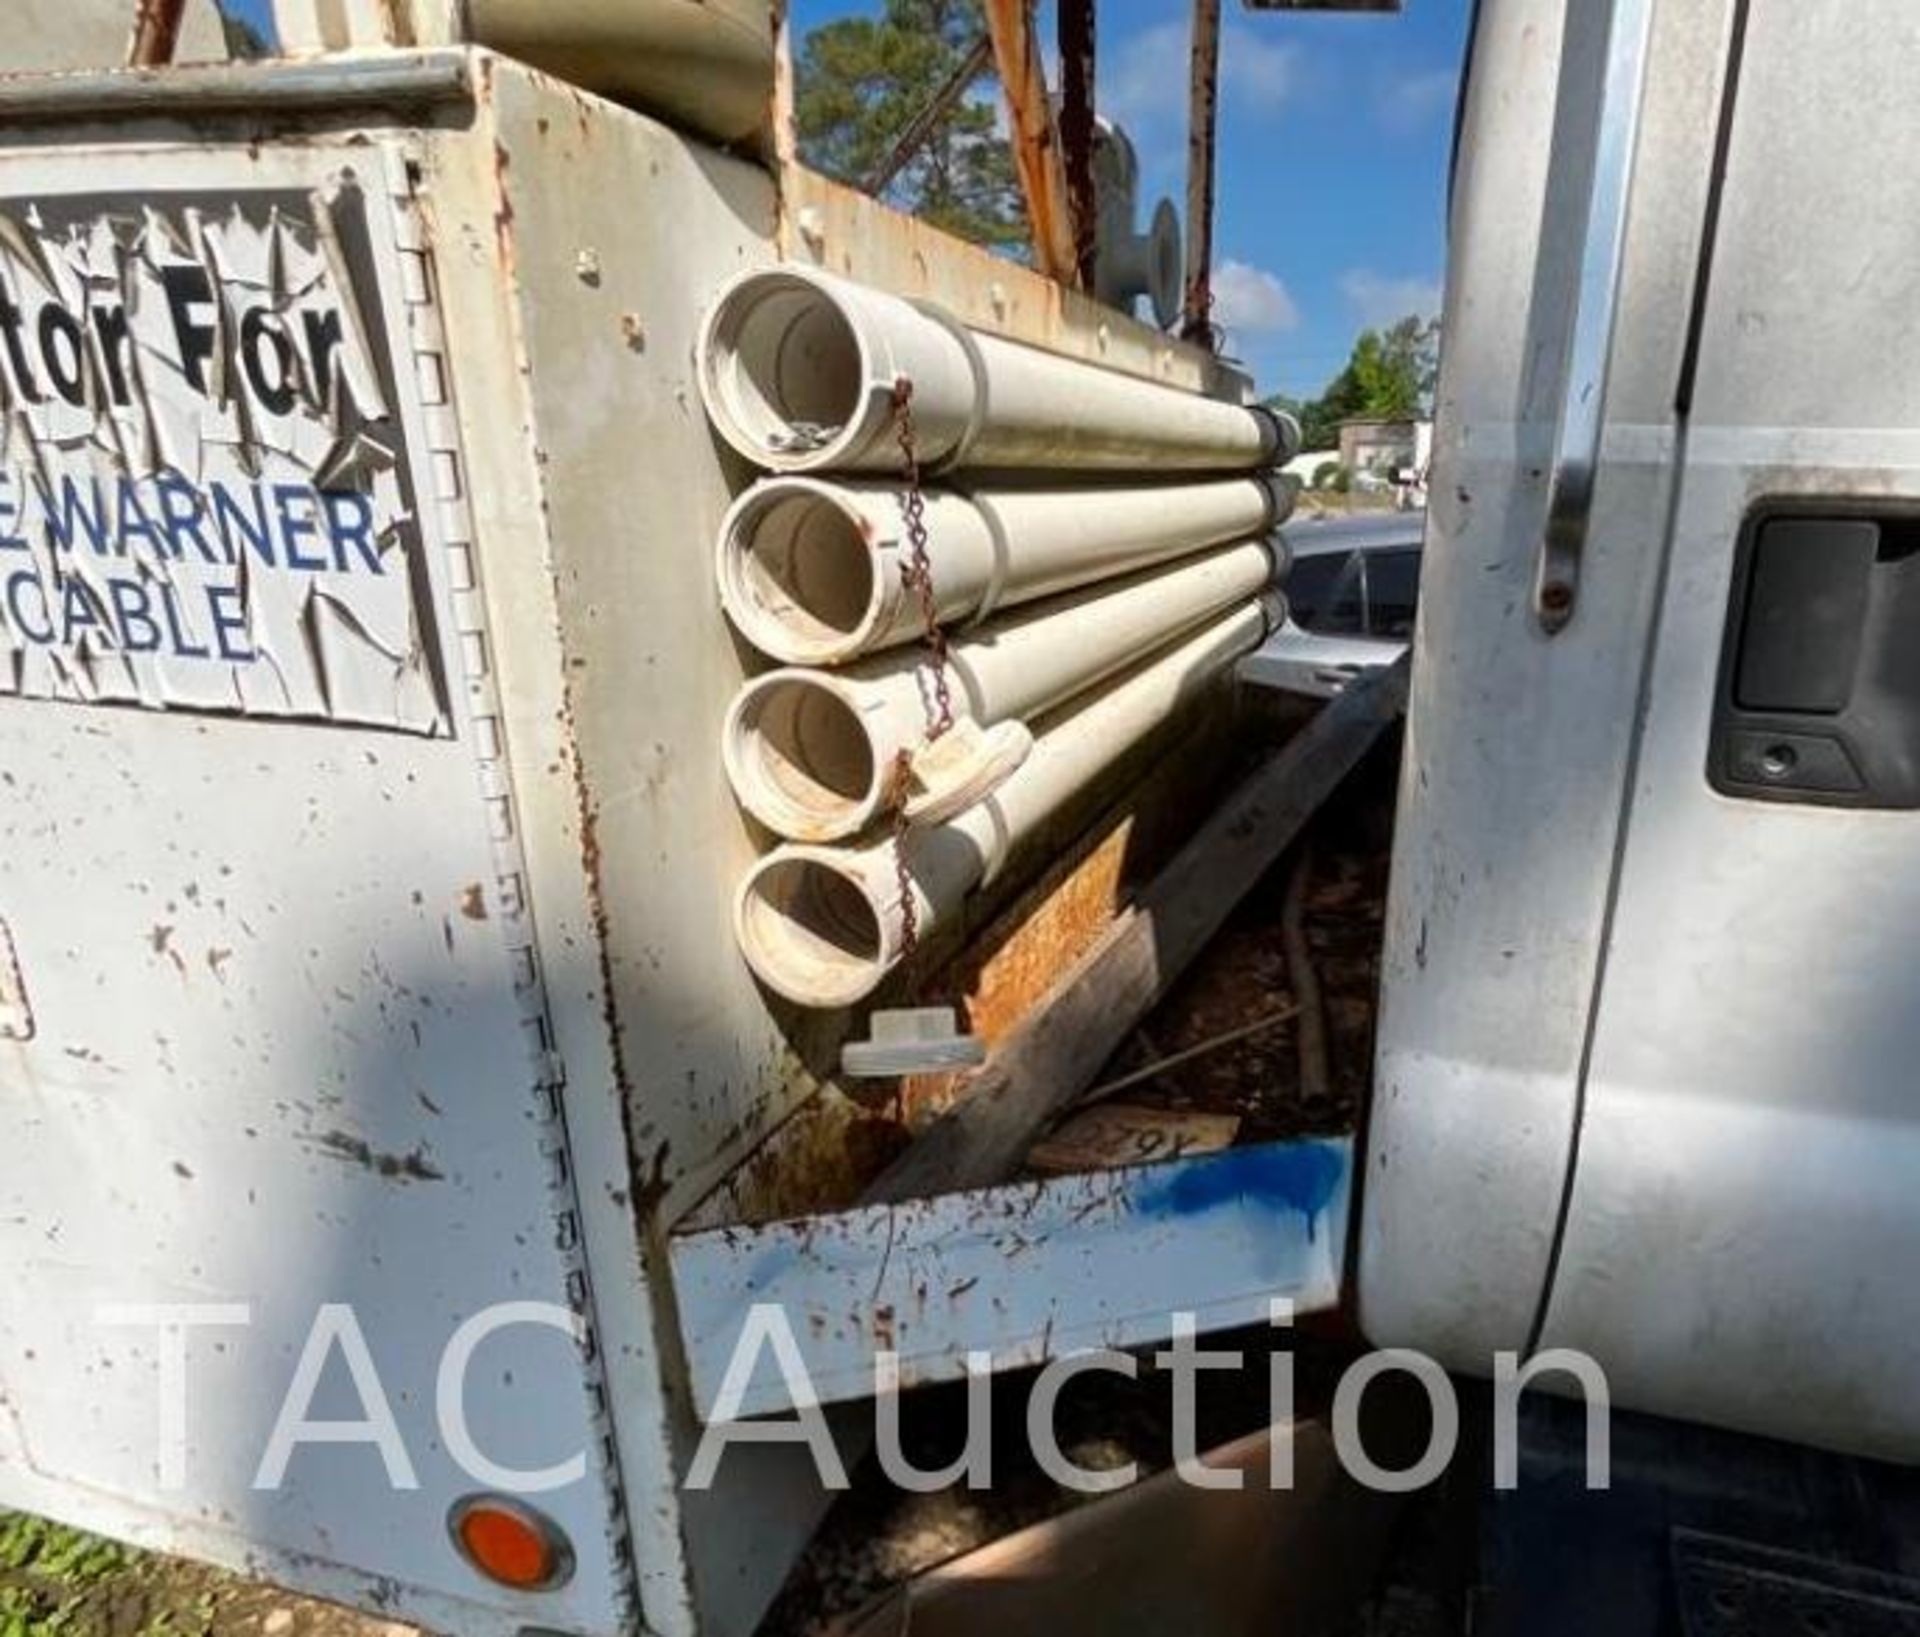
1351	595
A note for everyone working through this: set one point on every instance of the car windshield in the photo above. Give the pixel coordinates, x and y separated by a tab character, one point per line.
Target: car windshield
1323	593
1393	587
1370	590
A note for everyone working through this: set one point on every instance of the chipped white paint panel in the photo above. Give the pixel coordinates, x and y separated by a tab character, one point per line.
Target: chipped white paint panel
207	501
287	1050
1027	1272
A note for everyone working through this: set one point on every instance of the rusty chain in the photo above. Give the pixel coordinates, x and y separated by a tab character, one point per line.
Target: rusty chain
917	575
900	783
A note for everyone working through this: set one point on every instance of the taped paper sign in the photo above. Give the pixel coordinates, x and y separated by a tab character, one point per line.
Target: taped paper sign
205	497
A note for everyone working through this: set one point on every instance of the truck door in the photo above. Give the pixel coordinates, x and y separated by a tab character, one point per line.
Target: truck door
1743	1222
1646	1053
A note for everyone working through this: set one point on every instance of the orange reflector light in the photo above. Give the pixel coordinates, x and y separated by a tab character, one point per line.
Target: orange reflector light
510	1543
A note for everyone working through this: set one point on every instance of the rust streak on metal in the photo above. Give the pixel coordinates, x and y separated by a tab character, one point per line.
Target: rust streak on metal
1076	35
503	212
1036	144
1203	118
156	32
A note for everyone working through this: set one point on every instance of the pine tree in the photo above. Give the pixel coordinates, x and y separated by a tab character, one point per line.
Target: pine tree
860	81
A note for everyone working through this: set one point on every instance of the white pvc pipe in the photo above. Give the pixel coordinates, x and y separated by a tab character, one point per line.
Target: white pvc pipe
798	369
811	753
823	925
810	568
704	64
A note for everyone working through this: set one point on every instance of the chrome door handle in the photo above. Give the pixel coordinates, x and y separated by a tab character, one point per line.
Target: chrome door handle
1576	455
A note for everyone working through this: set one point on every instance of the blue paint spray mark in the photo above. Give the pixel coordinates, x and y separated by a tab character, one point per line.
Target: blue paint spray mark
1296	1176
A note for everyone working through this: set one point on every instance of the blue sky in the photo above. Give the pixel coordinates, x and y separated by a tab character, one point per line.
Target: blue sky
1332	162
1334	132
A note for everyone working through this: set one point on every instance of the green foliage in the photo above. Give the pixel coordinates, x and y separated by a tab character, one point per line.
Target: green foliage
858	84
1329	473
55	1553
60	1582
1389	376
21	1615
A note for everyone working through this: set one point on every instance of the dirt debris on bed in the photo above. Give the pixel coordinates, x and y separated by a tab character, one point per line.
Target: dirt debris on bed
1243	977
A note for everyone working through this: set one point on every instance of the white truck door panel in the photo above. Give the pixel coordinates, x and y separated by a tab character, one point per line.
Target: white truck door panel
1744	1219
1518	743
1647	1061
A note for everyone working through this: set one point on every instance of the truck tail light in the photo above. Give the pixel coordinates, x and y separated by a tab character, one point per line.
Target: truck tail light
511	1543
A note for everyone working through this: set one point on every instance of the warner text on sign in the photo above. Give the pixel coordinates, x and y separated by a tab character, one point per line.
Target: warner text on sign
205	496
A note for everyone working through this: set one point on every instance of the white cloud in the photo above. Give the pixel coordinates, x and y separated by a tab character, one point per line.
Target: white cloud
1139	82
1143	83
1250	300
1379	298
1410	102
1258	74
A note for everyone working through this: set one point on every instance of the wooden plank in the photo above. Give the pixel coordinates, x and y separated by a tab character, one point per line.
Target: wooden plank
785	133
156	32
1116	1134
1036	142
1043	1065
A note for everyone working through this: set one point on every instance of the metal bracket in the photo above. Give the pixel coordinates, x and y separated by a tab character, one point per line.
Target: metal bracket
1576	457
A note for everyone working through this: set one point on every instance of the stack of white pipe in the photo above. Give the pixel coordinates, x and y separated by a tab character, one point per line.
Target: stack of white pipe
799	372
810	568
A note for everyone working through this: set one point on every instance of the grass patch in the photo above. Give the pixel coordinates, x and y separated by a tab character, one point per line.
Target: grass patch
62	1582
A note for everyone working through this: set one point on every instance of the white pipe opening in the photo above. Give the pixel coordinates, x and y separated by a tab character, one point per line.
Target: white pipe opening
810	569
798	370
801	755
811	924
811	753
800	572
785	373
823	925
